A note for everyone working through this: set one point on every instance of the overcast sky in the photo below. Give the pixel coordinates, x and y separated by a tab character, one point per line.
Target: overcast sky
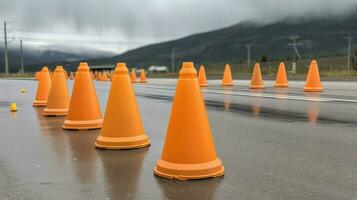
119	25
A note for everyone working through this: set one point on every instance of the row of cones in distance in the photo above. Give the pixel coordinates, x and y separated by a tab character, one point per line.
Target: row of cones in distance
104	77
189	150
312	84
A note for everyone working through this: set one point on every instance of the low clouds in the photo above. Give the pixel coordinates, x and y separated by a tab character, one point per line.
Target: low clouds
132	23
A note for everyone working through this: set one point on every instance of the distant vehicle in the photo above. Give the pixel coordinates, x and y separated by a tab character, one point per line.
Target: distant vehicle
158	69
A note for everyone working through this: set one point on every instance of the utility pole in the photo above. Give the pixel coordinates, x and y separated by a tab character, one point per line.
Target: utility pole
5	52
172	59
349	53
248	55
22	58
294	44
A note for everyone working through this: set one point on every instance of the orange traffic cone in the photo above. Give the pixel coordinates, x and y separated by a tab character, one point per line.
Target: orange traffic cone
37	75
133	75
202	76
92	74
189	150
122	125
281	79
111	75
257	80
99	76
58	98
104	77
84	111
43	88
71	76
313	83
227	76
142	76
65	74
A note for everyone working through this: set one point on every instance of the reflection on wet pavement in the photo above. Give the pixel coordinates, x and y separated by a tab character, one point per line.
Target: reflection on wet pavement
227	95
122	171
192	190
256	107
313	109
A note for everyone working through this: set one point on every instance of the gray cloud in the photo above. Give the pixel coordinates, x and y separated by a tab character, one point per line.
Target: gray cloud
125	24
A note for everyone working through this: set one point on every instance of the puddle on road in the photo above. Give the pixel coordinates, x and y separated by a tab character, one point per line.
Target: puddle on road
311	114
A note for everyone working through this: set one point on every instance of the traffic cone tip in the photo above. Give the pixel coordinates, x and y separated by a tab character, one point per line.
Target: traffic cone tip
83	66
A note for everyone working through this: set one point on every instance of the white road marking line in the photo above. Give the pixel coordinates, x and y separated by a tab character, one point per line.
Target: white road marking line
262	95
272	96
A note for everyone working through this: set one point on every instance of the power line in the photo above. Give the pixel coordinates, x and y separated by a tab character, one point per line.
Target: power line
96	35
92	39
78	40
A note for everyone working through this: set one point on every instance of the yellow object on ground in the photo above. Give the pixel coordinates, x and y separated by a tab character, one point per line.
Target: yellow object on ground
13	107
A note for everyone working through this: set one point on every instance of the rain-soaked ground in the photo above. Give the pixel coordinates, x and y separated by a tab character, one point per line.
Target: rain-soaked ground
274	144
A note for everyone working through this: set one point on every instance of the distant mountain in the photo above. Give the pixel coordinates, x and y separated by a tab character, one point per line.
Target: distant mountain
34	58
317	37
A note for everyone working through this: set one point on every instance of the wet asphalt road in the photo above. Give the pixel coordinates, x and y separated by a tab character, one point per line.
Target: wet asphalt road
274	144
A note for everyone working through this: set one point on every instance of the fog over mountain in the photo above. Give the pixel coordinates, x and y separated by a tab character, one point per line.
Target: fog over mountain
118	26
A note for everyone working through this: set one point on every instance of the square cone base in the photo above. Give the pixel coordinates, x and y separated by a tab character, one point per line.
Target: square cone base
55	112
313	89
39	103
82	124
281	85
122	142
189	171
256	86
226	84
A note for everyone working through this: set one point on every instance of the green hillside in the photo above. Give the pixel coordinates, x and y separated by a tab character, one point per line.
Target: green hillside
318	38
